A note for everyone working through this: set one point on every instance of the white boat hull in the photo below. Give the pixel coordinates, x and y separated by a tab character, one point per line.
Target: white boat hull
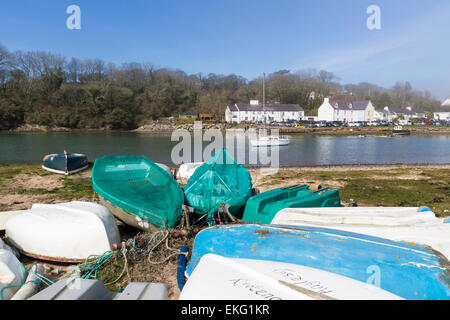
269	143
186	170
67	232
220	278
11	273
393	223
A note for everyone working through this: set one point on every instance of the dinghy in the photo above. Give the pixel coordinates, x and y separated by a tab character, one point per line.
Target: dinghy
250	279
262	207
406	270
220	180
12	274
186	170
65	163
138	191
413	225
65	232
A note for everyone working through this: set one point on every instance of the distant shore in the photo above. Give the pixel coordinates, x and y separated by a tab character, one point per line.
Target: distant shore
158	127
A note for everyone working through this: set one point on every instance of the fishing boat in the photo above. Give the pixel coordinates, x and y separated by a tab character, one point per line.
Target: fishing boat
220	180
399	131
262	207
406	270
64	232
251	279
417	225
270	141
12	273
138	192
65	163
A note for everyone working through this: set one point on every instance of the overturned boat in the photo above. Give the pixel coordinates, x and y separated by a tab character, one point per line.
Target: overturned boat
417	225
262	207
220	180
64	232
138	191
406	270
65	163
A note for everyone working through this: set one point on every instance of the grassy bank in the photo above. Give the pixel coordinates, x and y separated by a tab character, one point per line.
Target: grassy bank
377	185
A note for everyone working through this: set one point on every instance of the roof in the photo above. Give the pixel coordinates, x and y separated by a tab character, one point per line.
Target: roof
446	102
405	111
352	105
266	107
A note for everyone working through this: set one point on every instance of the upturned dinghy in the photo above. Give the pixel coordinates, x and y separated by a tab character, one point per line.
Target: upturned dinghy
65	163
138	191
413	225
262	207
220	278
65	232
220	180
406	270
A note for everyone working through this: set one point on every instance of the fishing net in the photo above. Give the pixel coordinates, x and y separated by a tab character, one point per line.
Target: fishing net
140	187
220	180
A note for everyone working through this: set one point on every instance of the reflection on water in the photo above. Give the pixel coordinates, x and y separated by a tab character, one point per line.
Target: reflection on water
303	150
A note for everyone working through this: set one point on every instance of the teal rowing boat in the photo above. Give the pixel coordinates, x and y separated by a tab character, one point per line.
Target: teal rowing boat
263	207
138	191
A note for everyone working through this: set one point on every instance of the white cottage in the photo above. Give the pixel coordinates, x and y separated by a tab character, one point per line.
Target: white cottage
352	111
442	115
256	112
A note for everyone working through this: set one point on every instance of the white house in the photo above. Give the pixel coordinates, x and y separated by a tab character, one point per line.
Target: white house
442	115
256	112
332	110
446	102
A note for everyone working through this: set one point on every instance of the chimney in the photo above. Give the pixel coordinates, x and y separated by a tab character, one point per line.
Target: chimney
326	100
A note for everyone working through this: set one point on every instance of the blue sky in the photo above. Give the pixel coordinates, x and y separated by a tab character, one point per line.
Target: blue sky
247	37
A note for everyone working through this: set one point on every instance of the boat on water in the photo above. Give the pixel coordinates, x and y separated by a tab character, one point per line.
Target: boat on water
406	270
399	131
252	279
261	208
220	180
418	225
65	163
138	192
64	232
270	141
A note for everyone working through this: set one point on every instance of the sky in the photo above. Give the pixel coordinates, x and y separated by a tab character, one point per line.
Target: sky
247	37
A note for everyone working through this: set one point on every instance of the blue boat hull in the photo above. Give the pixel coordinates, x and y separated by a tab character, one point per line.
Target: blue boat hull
60	163
407	270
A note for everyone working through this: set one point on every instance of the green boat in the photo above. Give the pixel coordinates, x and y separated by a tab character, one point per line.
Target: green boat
263	207
220	180
138	192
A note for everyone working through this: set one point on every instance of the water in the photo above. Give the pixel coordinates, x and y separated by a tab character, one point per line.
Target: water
303	150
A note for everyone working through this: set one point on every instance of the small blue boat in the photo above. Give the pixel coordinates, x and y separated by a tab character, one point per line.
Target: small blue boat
408	270
65	163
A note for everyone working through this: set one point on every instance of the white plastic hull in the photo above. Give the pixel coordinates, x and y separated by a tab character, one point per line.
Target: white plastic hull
67	232
393	223
11	273
220	278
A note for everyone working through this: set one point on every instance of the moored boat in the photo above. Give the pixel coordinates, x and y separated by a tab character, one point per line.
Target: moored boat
270	141
138	191
65	232
220	180
399	131
65	163
423	273
261	208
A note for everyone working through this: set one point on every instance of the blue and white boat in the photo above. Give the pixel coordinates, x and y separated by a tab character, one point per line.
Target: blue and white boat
407	270
65	163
